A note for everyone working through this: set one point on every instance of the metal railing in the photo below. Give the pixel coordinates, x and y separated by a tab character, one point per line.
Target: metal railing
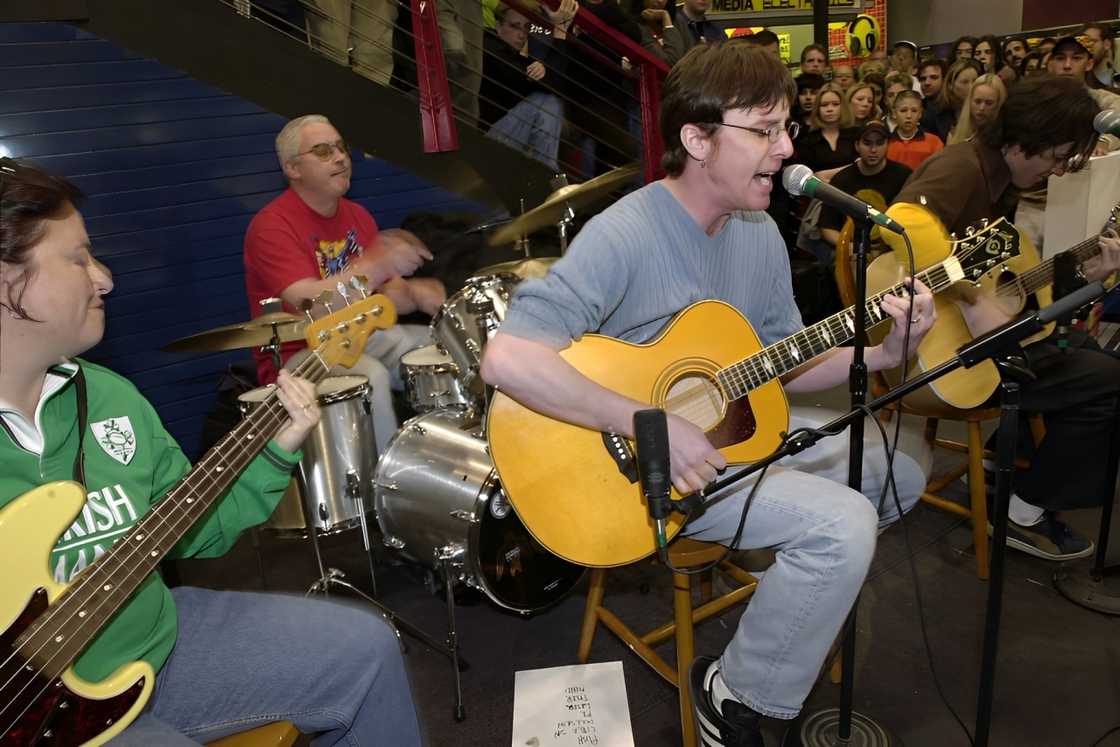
590	113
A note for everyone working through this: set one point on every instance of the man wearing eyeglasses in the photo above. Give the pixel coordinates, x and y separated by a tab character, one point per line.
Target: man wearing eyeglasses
1045	128
311	237
702	233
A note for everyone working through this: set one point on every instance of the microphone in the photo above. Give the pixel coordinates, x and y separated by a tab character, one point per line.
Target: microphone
1107	123
651	437
799	180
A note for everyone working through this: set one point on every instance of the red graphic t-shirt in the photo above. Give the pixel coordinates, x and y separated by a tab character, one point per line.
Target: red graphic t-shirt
288	241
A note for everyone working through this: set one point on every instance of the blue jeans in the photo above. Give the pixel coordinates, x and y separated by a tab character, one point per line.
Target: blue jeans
824	533
244	659
533	126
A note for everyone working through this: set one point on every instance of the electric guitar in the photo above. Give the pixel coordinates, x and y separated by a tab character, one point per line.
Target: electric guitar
47	625
576	489
1020	278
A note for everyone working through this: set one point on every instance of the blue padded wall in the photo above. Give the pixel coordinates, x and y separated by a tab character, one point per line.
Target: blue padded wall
174	170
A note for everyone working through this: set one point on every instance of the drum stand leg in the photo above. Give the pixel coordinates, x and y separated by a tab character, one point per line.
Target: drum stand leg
452	638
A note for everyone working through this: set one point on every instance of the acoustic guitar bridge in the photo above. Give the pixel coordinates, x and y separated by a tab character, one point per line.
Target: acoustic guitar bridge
622	454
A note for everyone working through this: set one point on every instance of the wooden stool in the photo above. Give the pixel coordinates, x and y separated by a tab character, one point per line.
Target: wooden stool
276	734
683	553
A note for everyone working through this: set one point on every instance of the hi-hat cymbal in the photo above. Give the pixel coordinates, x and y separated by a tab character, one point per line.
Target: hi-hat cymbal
572	196
533	267
251	334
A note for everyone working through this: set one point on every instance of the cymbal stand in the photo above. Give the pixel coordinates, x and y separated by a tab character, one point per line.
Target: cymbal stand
563	225
273	347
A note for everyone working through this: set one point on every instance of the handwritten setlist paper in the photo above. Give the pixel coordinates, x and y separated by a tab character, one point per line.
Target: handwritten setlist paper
578	706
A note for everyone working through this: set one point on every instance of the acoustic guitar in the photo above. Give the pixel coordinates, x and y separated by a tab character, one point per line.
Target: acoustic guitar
1022	277
47	625
576	489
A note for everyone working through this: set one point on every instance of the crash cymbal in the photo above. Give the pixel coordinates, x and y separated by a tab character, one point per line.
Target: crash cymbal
251	334
572	196
534	267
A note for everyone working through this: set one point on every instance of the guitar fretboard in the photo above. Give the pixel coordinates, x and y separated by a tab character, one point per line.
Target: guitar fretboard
1043	275
783	356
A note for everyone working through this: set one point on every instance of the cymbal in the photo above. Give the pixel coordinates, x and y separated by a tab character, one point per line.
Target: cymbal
251	334
533	267
552	209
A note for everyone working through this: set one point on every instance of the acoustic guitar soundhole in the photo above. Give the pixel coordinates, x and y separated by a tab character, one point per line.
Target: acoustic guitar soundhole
697	399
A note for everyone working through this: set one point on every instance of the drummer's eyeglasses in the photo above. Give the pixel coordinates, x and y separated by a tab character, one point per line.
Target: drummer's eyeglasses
324	151
773	134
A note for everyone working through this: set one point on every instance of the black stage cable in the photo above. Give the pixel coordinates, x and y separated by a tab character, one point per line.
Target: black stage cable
1106	735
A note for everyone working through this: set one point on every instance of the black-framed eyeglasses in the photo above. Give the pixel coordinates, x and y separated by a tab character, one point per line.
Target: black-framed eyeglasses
773	134
324	151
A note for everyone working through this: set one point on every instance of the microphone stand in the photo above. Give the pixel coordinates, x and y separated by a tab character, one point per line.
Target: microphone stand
1000	344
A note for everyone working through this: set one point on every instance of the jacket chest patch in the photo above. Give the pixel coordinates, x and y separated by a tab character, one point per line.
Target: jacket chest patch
116	438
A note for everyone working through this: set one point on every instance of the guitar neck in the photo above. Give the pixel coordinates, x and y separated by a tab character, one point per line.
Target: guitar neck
783	356
82	610
1043	275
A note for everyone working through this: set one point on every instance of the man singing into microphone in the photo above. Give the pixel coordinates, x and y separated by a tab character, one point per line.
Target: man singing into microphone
702	233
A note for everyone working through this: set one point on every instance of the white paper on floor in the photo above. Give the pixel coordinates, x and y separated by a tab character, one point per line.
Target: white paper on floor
575	706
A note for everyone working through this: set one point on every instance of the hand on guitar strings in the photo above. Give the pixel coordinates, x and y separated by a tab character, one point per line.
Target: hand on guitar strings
915	321
693	462
299	400
1107	262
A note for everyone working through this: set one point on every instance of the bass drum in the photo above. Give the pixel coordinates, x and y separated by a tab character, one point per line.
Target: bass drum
437	498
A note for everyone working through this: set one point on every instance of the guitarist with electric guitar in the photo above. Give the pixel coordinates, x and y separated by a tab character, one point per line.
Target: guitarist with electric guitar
94	646
1044	128
698	234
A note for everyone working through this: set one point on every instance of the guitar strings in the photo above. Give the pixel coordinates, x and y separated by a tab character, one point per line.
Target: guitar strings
271	417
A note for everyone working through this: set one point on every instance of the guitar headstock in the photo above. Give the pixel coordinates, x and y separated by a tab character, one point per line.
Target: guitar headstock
340	337
985	248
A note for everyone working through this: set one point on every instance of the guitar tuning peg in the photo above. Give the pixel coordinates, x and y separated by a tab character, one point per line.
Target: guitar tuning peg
324	299
305	306
953	235
341	288
360	283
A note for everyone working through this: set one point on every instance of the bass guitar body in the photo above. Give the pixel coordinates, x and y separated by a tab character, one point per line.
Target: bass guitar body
66	710
964	388
576	489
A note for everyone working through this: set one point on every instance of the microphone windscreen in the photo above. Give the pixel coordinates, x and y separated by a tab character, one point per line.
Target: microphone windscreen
794	178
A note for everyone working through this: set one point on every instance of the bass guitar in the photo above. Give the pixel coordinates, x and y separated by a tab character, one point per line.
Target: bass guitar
576	489
47	625
1021	278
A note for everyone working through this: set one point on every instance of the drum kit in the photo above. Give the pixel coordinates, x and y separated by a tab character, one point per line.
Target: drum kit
433	495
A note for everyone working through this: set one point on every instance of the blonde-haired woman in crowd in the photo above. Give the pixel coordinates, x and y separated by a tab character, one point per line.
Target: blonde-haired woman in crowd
863	102
981	106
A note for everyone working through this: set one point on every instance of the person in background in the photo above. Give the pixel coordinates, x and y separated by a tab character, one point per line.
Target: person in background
1014	50
1100	46
655	20
843	76
980	107
872	171
989	53
765	39
808	88
904	57
1045	46
863	103
958	83
692	26
872	68
518	100
1031	65
963	48
896	83
830	143
814	59
356	33
909	143
931	77
1071	58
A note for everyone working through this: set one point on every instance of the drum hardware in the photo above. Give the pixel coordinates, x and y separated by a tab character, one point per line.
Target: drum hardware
267	331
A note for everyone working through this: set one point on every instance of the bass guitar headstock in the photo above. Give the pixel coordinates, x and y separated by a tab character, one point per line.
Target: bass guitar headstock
340	337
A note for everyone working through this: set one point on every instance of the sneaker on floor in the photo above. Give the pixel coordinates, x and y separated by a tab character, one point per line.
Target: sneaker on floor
1049	539
731	724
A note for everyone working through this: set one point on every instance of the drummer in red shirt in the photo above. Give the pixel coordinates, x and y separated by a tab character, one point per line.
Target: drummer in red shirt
310	238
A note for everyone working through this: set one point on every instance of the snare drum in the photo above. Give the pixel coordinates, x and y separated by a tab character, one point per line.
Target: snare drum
431	380
333	486
438	497
470	317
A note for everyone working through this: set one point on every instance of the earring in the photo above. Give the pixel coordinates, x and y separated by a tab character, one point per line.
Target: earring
703	163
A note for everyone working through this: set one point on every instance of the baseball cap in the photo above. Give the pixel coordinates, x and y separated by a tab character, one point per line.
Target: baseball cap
1079	40
874	125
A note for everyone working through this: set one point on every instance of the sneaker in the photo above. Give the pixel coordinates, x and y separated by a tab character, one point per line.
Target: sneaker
731	724
1049	539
